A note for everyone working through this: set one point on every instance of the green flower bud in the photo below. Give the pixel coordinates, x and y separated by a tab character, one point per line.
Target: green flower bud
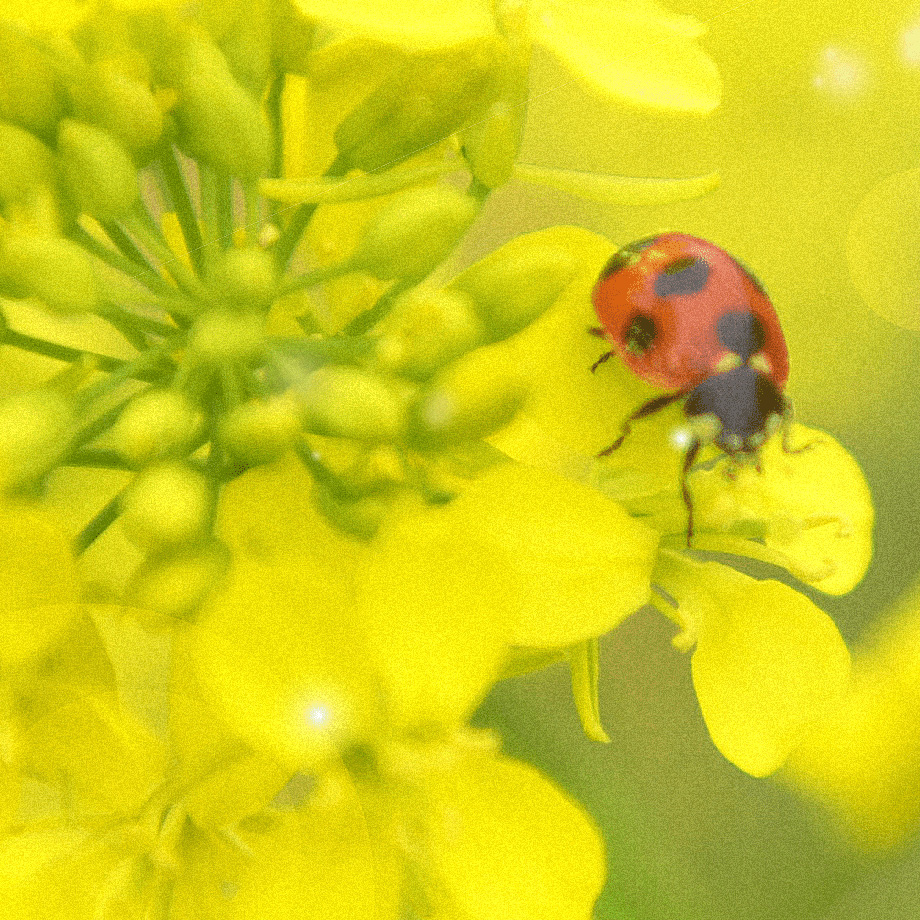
26	164
359	517
424	100
168	505
424	330
469	399
346	402
227	337
513	286
412	234
34	433
261	431
52	269
156	425
29	91
177	586
246	278
221	124
121	104
99	172
492	143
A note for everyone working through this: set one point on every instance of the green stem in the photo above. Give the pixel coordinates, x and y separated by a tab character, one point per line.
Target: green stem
364	321
147	277
126	246
97	526
181	200
225	219
311	278
273	108
253	212
61	352
99	459
123	322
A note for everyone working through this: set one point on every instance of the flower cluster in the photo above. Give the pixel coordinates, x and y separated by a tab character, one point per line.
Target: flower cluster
350	485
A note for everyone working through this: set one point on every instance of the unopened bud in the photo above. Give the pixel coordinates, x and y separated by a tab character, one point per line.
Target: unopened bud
121	104
156	425
34	432
227	337
424	330
347	402
221	124
514	285
414	232
168	505
491	144
262	430
246	278
26	164
52	269
29	90
469	399
100	174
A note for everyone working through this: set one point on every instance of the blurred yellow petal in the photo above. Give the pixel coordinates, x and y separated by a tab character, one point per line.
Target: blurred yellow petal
585	564
414	24
768	664
814	508
437	605
316	864
635	53
269	515
50	15
508	843
277	655
863	761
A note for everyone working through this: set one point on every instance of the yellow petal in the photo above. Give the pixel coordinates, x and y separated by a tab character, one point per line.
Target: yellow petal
585	564
279	659
863	761
815	508
768	666
508	843
437	606
415	24
632	52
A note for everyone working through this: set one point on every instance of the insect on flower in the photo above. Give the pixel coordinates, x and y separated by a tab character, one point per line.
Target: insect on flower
687	317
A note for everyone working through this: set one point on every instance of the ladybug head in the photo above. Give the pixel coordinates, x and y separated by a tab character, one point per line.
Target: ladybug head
743	404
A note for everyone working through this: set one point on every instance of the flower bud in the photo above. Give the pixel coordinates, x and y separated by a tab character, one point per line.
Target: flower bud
262	430
29	91
246	278
100	174
424	330
225	337
414	232
50	268
121	104
26	164
156	425
34	433
469	399
491	144
513	286
168	505
346	402
221	124
176	586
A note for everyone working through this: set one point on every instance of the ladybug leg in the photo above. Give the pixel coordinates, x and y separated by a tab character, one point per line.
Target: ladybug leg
644	411
596	330
689	458
606	356
788	416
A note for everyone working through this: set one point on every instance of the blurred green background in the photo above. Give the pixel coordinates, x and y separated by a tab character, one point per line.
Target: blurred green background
821	104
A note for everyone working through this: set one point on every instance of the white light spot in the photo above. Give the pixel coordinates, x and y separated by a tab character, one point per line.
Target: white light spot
318	715
680	438
438	410
909	44
841	73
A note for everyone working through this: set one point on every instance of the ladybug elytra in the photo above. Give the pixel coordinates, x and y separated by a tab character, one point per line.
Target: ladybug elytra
687	317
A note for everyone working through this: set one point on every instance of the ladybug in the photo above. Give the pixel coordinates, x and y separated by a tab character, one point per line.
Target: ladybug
690	319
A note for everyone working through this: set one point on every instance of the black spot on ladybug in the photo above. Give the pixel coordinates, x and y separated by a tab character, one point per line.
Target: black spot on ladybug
682	277
626	256
640	333
742	399
742	333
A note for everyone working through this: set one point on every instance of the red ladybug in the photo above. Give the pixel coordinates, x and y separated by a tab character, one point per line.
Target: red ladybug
688	318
